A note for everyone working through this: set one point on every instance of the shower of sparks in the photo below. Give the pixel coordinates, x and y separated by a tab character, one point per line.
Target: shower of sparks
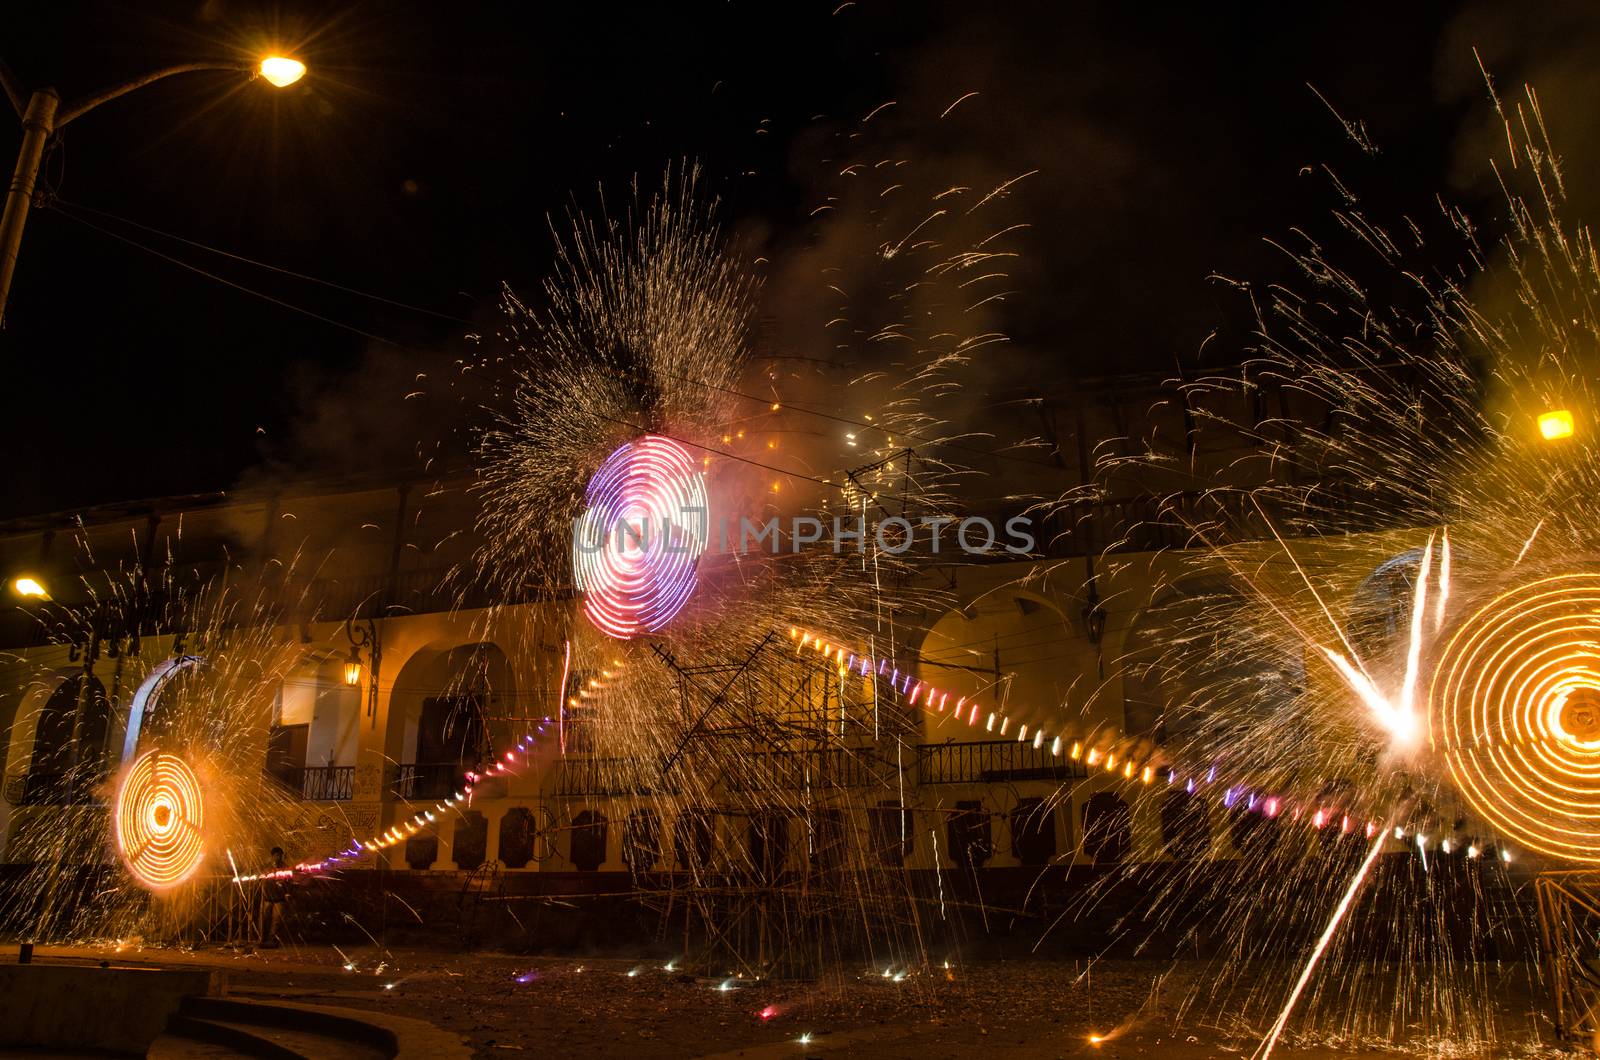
1322	944
648	331
1385	602
1398	716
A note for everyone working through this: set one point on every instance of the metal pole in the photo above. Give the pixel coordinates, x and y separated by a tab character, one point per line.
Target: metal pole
38	122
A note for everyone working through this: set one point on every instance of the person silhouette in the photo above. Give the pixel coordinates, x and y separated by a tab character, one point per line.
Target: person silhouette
273	895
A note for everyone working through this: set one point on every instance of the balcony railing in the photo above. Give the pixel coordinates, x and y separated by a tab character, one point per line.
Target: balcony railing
840	767
987	762
420	781
327	783
581	775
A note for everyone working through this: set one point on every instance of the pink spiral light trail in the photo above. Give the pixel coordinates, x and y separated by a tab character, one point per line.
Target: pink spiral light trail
638	544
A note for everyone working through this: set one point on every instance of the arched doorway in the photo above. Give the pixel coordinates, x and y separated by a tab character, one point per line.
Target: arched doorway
442	716
70	758
1380	610
1009	646
153	710
1196	666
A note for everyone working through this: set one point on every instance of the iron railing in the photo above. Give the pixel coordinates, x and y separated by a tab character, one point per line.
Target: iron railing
417	781
986	762
582	775
327	783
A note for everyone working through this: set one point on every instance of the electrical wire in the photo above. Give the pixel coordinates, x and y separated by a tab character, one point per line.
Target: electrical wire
260	264
225	281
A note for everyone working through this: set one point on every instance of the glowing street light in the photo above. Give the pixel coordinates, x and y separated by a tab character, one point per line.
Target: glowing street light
43	115
29	587
1555	425
281	71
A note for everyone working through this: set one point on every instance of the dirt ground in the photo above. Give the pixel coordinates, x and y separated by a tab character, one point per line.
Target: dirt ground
615	1008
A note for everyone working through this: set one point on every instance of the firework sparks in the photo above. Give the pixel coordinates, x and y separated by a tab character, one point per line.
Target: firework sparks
1322	944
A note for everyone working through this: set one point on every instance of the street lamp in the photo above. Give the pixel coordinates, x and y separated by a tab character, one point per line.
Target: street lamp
281	71
1555	425
43	114
352	666
28	586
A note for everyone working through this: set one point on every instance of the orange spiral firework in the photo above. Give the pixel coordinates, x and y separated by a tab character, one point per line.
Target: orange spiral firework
158	821
1514	705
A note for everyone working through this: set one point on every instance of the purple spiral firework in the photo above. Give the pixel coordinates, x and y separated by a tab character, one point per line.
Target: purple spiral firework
640	538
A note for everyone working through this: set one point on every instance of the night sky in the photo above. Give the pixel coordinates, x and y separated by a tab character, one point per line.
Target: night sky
423	155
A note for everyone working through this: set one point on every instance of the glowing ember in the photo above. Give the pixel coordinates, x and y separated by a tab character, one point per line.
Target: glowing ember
158	821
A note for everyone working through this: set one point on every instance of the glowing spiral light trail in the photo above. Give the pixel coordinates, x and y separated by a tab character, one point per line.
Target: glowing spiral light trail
640	538
159	821
1514	705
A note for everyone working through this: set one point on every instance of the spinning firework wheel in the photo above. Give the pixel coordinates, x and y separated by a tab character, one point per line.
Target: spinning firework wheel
159	819
1514	706
640	538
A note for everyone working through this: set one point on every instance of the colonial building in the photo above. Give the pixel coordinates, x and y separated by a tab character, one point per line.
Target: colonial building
365	737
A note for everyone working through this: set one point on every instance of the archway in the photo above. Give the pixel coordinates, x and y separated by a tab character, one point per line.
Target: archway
1194	665
69	756
1009	646
1380	609
144	718
443	710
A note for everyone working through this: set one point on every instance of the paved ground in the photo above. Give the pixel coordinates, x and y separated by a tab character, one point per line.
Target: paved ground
614	1008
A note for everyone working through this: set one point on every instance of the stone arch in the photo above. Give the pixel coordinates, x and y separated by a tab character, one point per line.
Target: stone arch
147	697
1380	608
1190	658
1002	646
444	696
69	756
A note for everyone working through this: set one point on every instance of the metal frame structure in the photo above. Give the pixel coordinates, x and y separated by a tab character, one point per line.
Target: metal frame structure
1569	938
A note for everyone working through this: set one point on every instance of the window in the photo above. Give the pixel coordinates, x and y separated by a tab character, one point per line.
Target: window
967	833
828	846
1185	827
422	851
588	841
286	754
1254	834
641	840
469	846
691	841
1033	832
1107	828
516	837
769	844
450	740
893	833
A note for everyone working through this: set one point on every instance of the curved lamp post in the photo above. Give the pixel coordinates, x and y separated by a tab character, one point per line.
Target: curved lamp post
42	114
